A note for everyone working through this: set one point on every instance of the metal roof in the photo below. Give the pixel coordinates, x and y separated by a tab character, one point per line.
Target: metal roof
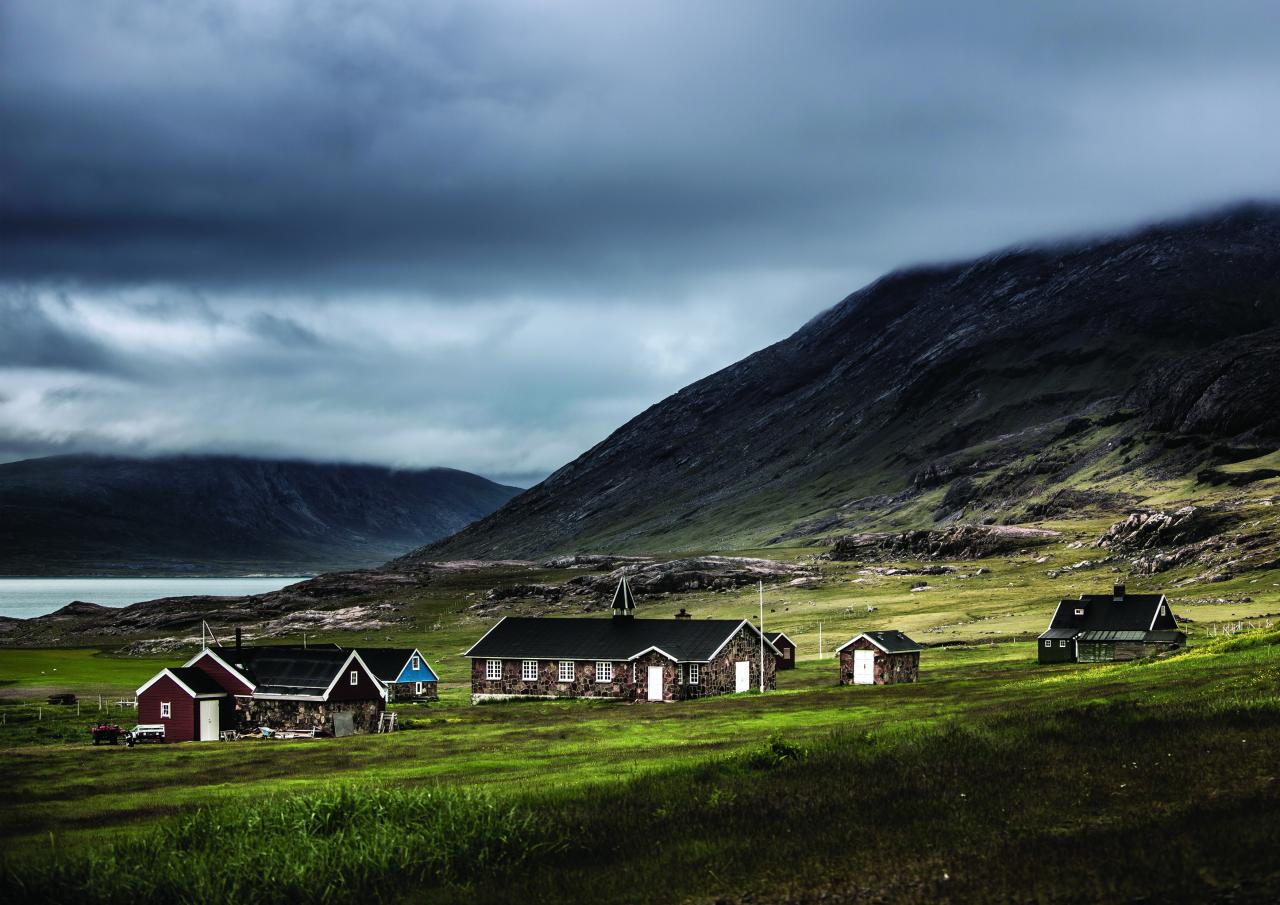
1103	612
549	638
1059	634
291	670
891	641
197	680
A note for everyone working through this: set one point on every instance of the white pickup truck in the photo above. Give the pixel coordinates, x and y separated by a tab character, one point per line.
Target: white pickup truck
146	732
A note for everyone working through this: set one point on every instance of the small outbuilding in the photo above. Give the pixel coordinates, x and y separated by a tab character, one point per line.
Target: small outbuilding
403	671
879	658
187	702
786	658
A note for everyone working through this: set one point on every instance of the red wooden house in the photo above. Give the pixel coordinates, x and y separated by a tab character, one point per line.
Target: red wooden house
189	704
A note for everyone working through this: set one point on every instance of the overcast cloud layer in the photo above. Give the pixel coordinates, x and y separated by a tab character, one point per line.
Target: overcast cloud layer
485	235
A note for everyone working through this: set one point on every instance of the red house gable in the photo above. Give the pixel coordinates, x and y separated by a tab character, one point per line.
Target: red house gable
180	724
213	665
367	686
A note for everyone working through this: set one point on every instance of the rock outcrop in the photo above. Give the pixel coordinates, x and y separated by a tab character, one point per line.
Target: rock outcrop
958	542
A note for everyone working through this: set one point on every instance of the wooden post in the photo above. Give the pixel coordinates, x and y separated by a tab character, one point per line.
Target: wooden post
762	636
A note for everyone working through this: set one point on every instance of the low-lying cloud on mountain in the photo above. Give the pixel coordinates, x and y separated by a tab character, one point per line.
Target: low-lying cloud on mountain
485	236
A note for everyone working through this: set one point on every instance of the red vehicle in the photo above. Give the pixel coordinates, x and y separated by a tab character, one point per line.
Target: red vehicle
105	732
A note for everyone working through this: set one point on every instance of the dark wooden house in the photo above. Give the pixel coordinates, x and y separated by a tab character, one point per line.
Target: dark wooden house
879	658
1116	626
623	658
404	672
187	703
786	649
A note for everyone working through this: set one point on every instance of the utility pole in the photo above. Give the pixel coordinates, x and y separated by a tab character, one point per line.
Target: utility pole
819	640
762	636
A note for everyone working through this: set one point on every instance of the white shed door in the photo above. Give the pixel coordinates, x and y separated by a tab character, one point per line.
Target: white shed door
864	667
655	683
742	676
209	723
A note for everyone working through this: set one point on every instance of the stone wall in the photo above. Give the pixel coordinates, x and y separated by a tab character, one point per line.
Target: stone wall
889	669
251	713
1102	652
407	691
630	679
548	684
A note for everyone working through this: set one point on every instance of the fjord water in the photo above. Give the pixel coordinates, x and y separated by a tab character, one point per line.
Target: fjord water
24	598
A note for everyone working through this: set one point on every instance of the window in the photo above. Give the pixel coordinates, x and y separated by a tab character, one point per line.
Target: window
1048	644
566	670
1062	644
1079	611
355	677
604	671
417	688
529	670
166	710
493	670
1164	611
695	673
786	653
416	663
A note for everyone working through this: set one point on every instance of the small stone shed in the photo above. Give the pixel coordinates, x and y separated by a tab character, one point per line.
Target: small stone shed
786	649
879	658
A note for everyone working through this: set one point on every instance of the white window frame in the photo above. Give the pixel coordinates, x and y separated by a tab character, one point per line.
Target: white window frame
1062	643
1164	610
417	688
604	670
416	663
563	667
1048	642
166	710
528	670
355	677
695	673
492	670
1079	611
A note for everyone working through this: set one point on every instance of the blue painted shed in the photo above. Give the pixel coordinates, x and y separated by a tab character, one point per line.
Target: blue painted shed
404	671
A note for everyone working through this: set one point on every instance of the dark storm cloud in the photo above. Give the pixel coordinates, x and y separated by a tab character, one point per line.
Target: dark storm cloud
484	234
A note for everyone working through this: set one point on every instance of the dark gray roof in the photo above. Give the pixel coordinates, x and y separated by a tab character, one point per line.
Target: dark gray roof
386	662
197	680
894	642
774	636
535	638
291	670
1102	613
1059	634
1160	637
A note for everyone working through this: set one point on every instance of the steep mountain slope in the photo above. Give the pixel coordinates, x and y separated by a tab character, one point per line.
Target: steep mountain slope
978	388
88	514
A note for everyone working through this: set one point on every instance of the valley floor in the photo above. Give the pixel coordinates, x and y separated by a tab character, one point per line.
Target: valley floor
992	779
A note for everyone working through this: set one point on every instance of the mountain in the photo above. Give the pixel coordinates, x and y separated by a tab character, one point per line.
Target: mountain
211	514
1030	382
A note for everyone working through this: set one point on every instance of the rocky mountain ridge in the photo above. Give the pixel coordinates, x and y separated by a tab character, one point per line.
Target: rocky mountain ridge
1042	377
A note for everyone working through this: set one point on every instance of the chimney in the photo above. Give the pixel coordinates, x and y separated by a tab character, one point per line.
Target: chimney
237	643
624	604
1117	594
684	614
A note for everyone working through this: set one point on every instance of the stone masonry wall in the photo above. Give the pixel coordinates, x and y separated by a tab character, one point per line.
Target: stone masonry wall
250	714
405	691
548	684
889	669
630	679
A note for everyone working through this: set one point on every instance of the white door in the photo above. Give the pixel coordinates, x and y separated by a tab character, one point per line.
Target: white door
655	683
209	724
864	667
742	676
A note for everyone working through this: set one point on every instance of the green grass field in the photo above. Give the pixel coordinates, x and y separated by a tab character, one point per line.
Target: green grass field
809	788
992	779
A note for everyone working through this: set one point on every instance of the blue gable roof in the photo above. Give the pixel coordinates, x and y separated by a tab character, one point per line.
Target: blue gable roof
422	674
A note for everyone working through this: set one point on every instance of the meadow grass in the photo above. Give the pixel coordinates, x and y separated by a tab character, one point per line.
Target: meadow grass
1152	780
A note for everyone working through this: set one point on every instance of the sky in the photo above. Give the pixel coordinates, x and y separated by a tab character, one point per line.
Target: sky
485	235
